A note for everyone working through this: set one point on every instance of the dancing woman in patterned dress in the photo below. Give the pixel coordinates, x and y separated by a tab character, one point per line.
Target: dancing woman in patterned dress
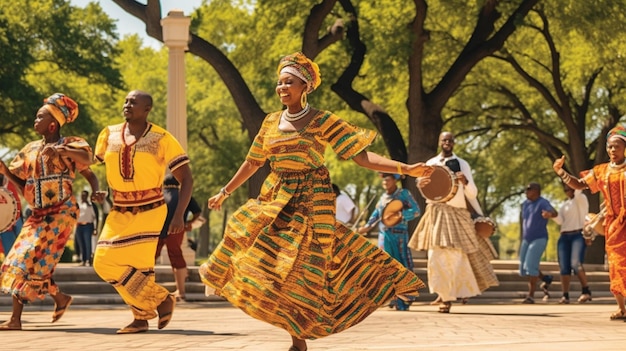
610	179
44	170
284	258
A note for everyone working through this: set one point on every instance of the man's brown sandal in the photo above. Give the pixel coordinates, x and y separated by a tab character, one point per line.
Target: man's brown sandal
165	314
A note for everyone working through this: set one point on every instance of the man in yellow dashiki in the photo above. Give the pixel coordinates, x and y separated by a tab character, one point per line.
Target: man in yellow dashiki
136	154
284	258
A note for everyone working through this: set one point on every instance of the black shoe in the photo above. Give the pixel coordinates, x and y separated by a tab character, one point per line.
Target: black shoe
528	300
547	280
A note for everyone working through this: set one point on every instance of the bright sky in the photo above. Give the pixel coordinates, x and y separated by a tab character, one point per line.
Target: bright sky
128	24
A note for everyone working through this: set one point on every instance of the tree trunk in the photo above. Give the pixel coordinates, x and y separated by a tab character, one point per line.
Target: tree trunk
204	235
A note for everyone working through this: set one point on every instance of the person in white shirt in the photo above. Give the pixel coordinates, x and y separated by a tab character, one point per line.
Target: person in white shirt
86	228
106	206
346	209
571	245
458	259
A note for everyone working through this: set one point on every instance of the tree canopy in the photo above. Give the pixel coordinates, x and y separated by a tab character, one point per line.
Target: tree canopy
520	82
50	46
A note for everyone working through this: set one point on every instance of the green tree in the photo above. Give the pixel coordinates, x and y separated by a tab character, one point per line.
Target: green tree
558	94
519	82
50	46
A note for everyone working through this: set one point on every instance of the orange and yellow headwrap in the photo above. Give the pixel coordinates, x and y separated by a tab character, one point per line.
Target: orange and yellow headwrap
301	67
619	132
61	107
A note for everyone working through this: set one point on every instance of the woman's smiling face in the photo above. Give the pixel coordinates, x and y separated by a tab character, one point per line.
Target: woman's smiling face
289	89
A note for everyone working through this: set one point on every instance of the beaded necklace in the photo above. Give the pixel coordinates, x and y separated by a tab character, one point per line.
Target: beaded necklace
616	166
292	117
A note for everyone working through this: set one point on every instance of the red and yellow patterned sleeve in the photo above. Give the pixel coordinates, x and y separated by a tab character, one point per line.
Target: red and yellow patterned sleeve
592	179
19	164
78	143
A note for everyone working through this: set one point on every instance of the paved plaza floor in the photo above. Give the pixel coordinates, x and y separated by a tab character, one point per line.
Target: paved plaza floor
218	326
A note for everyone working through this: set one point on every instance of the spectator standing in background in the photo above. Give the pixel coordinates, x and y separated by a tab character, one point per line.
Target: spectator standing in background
571	245
536	210
346	209
87	227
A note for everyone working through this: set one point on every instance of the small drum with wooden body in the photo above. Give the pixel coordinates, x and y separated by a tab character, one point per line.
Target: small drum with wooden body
8	209
442	187
594	225
392	213
485	226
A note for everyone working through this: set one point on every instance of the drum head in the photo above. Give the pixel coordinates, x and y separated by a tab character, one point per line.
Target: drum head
442	186
392	213
8	209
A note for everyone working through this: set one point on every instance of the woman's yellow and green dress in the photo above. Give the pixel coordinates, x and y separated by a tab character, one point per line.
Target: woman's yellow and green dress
284	259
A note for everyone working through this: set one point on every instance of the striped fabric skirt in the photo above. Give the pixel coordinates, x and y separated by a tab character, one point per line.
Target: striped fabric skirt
289	263
447	227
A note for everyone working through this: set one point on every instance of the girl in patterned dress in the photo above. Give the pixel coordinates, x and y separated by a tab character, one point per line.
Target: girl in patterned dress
44	171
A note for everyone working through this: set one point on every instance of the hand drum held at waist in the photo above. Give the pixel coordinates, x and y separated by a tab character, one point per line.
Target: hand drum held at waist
485	226
442	187
392	213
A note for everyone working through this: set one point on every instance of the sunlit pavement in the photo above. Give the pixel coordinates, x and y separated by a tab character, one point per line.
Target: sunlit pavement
217	326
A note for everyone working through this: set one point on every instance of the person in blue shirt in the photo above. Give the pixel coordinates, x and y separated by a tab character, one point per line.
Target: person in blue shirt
394	238
536	211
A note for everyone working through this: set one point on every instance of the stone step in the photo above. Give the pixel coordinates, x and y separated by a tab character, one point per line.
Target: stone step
87	288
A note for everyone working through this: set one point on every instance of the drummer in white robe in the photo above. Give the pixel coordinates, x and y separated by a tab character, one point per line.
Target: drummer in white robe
458	259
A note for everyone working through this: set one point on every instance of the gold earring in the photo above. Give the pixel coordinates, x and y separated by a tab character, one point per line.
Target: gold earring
303	99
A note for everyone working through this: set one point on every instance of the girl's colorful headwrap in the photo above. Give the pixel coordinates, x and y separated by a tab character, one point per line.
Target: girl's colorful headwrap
303	68
618	131
61	107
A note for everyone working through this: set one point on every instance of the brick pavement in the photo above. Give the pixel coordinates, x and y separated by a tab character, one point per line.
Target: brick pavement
217	326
